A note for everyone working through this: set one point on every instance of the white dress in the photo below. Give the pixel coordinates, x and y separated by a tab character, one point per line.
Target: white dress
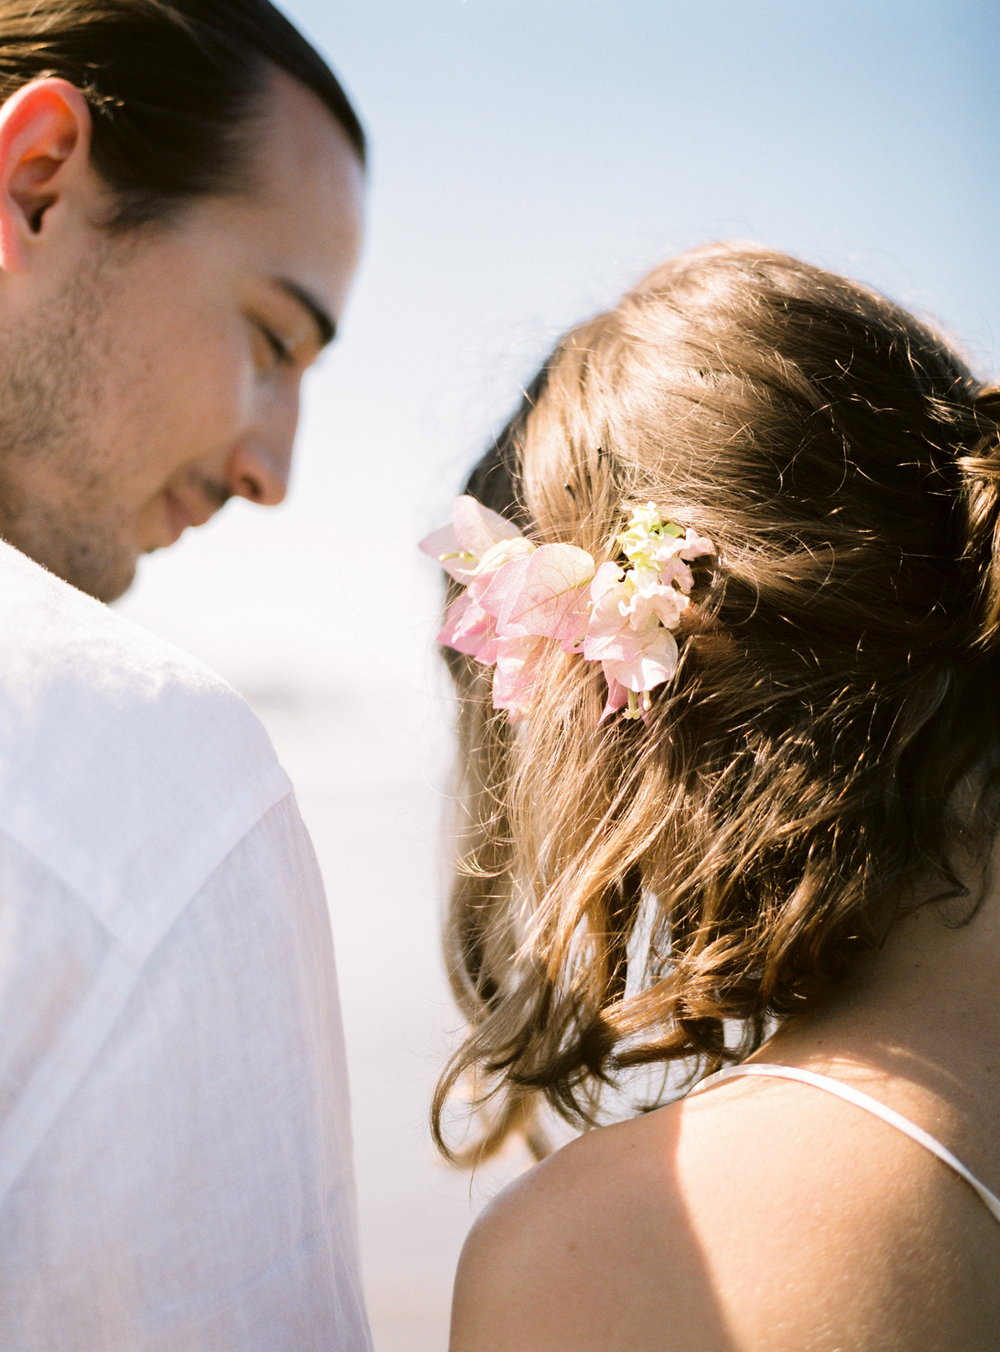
174	1140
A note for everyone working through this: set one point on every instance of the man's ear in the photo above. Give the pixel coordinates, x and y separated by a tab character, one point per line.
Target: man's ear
44	150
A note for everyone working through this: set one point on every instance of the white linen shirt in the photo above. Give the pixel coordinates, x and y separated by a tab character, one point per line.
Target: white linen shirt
174	1141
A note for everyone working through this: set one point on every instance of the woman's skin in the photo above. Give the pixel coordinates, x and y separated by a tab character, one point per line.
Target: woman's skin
770	1216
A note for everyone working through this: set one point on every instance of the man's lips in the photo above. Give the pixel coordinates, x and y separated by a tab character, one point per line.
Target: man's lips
181	514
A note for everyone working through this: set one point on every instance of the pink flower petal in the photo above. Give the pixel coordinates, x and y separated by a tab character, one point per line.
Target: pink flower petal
576	622
480	584
623	646
443	547
514	678
610	634
665	604
443	541
544	598
606	577
505	580
573	626
477	528
617	697
487	654
645	669
695	546
468	628
676	571
690	546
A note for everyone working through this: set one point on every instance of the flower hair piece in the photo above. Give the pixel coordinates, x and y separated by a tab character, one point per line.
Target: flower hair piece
518	597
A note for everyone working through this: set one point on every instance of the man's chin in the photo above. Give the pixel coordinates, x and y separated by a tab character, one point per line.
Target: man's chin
104	575
100	563
113	591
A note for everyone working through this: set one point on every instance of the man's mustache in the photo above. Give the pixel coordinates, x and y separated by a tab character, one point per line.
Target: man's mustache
211	489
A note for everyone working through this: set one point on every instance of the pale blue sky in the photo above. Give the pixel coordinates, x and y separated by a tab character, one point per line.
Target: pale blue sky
531	158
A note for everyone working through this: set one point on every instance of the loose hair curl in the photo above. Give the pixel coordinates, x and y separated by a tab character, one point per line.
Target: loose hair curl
630	894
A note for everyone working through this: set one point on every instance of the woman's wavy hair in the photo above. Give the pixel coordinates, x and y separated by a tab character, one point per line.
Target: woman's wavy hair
630	894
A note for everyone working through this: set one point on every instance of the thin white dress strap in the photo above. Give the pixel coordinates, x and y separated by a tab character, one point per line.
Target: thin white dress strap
860	1100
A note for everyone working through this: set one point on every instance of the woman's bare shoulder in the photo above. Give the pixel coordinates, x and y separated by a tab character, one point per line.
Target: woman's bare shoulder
541	1260
710	1224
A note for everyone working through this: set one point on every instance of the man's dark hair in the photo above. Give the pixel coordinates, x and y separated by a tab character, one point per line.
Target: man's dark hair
174	86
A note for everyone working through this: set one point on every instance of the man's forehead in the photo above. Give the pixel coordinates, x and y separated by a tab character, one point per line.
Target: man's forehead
308	201
300	140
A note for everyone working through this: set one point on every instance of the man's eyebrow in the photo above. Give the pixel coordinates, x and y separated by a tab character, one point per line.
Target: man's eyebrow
325	326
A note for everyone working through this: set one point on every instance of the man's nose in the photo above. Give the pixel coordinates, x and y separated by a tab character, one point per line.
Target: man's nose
259	473
261	459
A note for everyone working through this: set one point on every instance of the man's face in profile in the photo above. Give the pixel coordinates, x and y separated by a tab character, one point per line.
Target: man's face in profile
148	375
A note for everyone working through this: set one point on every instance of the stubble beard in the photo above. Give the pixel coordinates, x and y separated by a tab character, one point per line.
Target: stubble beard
57	488
85	550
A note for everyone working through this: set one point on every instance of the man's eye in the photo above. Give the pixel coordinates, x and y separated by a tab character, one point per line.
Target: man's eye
279	351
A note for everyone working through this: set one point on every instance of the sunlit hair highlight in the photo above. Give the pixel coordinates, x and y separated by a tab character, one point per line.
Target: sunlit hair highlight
629	894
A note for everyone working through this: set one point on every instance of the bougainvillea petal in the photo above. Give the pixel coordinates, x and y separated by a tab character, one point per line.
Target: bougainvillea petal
468	628
443	547
477	527
475	531
501	583
607	576
544	597
675	570
514	678
453	619
573	630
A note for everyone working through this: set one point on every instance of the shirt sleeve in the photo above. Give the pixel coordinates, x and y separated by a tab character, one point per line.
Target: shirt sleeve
195	1189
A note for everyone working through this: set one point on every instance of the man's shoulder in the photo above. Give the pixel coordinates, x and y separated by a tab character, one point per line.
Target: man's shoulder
122	760
51	632
76	676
